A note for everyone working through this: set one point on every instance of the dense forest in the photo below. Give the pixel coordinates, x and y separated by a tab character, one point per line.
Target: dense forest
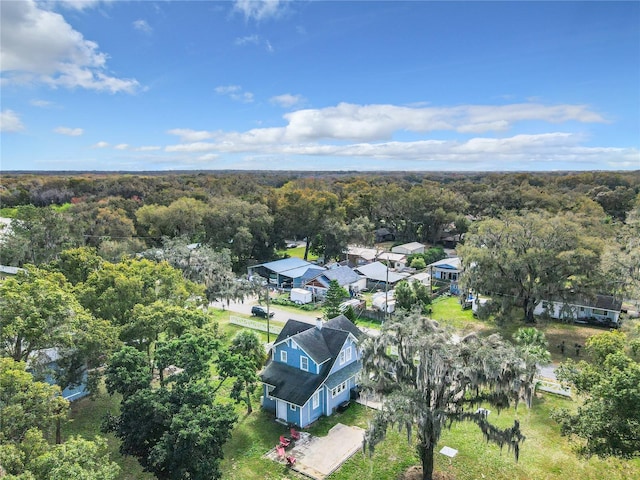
252	213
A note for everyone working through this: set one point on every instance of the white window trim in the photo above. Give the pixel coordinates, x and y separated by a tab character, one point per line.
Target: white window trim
283	356
343	355
293	407
316	399
301	366
348	350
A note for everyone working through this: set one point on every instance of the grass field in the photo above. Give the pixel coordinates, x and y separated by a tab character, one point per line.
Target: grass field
297	252
544	455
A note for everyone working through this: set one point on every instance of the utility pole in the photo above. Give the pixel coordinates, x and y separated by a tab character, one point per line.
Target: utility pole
268	337
386	294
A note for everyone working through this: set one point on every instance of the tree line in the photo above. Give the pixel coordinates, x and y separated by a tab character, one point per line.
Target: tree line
252	215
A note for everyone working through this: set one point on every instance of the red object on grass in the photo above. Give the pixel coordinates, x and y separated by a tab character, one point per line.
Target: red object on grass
284	441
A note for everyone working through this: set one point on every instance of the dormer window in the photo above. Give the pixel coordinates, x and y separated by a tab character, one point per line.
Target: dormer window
304	364
343	357
283	356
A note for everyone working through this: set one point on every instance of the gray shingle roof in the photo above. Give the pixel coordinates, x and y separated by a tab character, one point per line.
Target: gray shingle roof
607	302
292	385
323	346
343	374
343	275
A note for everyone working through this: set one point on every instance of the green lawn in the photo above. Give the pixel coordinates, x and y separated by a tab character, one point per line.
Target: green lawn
297	252
446	310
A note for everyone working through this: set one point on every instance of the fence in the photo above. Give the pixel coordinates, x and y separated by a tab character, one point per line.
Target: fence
255	324
552	386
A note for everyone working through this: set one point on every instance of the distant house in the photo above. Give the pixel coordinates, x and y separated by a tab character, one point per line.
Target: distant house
409	248
45	362
311	370
286	273
601	310
378	274
396	261
357	256
421	277
7	271
446	271
345	276
384	235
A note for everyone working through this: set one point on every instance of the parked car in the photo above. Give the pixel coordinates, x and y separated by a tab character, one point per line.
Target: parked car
258	311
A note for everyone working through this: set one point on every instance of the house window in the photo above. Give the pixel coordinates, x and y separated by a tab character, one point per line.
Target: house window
304	363
316	399
292	407
348	350
597	311
294	345
339	389
283	356
343	357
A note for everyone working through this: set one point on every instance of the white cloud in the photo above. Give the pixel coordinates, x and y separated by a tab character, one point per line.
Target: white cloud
234	92
41	103
71	132
191	147
367	132
187	135
228	89
80	4
378	122
39	46
101	145
248	40
208	156
523	151
142	26
10	121
260	9
287	100
147	148
121	146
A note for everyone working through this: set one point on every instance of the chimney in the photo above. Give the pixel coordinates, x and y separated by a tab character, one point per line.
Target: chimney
319	323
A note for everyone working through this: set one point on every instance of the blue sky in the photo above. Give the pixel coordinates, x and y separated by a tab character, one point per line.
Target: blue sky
319	85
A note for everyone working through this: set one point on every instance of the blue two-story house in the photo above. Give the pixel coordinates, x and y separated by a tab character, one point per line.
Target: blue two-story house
312	369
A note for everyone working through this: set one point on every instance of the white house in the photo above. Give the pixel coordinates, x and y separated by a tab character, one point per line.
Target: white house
396	261
601	310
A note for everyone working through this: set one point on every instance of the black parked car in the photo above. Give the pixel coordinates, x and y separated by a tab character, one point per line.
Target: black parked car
260	312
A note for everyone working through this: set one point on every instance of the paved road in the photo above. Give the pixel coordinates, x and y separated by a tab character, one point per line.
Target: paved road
279	313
